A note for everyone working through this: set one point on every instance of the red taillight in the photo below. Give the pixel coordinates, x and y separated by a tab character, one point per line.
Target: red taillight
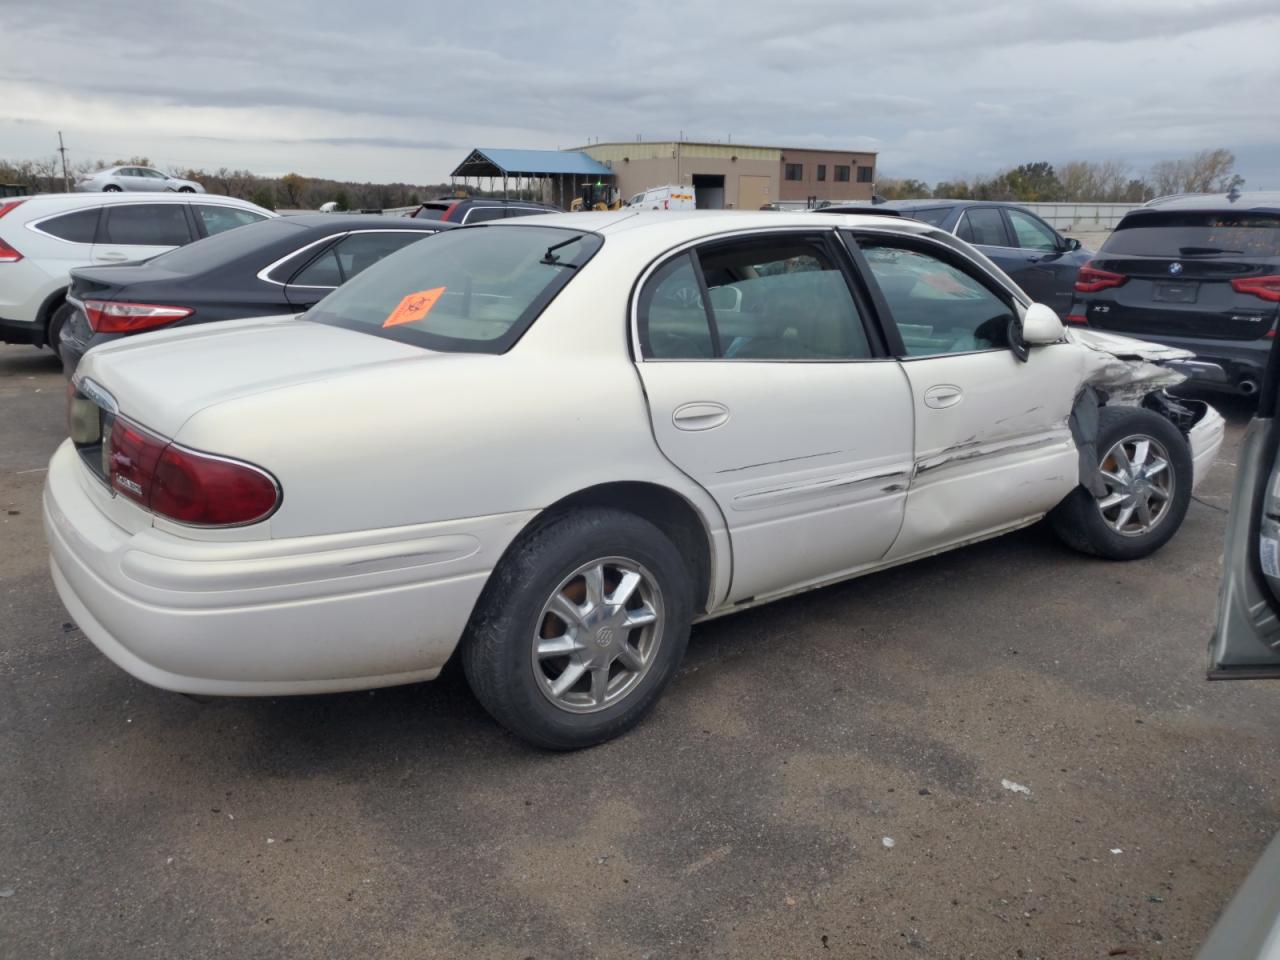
9	205
183	485
108	316
1268	288
8	254
448	210
1076	318
1090	279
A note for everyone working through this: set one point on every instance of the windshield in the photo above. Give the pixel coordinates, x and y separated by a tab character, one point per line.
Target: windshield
474	290
1191	234
222	248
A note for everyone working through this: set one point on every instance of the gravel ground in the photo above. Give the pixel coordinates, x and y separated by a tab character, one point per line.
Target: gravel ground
751	816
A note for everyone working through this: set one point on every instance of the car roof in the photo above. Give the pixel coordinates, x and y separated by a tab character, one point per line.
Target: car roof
924	203
46	202
1264	200
365	221
493	201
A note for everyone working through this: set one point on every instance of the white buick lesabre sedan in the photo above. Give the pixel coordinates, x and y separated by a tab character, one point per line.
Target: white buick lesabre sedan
553	444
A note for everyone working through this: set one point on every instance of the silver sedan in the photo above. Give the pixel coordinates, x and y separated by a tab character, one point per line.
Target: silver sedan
114	179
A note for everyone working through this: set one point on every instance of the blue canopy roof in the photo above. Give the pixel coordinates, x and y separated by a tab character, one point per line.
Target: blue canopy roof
488	162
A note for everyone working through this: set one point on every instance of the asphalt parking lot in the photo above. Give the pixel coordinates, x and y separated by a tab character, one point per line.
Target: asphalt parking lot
747	817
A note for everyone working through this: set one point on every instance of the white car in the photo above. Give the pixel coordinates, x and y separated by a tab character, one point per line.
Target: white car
553	443
122	178
44	237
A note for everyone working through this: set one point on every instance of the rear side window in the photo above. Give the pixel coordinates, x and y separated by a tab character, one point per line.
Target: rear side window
935	216
217	219
147	224
776	299
323	271
1185	234
474	290
983	225
937	307
481	214
77	227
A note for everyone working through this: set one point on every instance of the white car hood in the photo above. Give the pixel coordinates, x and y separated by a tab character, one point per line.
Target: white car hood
161	379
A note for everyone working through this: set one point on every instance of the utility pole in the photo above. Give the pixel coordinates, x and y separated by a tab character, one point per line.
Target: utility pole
66	180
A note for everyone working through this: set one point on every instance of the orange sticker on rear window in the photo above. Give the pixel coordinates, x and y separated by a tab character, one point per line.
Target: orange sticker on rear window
413	307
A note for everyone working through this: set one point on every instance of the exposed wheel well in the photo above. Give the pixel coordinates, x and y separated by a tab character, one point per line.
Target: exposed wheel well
47	310
666	510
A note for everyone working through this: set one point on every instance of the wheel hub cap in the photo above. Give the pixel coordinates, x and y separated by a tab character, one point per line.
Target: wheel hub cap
1139	484
597	635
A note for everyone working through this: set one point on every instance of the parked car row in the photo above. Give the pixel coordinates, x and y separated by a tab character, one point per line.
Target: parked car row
552	443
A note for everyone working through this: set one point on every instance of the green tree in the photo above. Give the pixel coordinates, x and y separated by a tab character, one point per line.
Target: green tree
293	186
1034	181
263	198
342	200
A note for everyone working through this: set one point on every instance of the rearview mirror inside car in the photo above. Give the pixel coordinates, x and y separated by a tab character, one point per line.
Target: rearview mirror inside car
1040	325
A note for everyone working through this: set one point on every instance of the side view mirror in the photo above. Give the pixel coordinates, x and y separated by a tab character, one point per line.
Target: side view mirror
1070	244
1040	325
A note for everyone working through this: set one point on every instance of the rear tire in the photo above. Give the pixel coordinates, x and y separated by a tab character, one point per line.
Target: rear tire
1145	502
610	590
58	320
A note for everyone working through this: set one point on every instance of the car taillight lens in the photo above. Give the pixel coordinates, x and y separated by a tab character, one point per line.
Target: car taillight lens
8	254
1076	318
1091	279
1268	288
10	205
183	485
108	316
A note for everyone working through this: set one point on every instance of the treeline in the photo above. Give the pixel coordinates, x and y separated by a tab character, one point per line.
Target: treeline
290	192
1210	171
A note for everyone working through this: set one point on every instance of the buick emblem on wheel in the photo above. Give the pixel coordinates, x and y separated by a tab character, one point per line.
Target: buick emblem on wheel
604	636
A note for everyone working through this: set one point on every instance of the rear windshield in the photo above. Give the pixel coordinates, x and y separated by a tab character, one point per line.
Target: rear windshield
1184	234
475	290
431	211
223	248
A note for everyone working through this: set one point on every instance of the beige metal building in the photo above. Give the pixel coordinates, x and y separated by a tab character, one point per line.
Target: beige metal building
738	176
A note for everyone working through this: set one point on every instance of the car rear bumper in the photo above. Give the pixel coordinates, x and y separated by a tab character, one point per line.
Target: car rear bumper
1243	361
266	617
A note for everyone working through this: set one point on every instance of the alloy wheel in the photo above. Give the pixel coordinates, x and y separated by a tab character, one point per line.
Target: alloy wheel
1140	485
598	635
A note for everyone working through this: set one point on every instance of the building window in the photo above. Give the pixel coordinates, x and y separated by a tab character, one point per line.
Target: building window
864	174
822	171
842	173
793	171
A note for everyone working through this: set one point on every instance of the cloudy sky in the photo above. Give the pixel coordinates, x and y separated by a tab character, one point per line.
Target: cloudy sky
401	89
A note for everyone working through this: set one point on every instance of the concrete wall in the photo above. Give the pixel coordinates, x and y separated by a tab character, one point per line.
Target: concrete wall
829	189
1066	217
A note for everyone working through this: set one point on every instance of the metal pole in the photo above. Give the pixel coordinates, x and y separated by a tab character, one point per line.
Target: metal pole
66	180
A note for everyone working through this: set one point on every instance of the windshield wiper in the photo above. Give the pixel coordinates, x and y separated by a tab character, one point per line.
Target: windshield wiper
550	258
1203	251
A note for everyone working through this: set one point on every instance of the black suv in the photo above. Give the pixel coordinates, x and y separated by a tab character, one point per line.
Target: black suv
1201	272
477	210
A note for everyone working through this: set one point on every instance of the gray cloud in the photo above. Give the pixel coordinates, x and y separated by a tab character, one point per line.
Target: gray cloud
399	89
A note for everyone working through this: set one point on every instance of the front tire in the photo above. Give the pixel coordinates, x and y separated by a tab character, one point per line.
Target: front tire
1145	465
186	190
580	628
111	188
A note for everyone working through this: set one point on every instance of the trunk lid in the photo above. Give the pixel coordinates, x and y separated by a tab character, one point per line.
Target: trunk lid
162	379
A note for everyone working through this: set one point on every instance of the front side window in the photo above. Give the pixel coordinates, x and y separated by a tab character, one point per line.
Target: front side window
360	251
217	218
983	225
1031	233
864	174
153	174
148	224
793	171
475	290
842	173
776	298
937	308
77	227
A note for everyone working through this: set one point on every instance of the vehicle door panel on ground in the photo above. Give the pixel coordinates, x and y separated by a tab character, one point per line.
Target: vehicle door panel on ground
765	388
336	263
975	429
138	231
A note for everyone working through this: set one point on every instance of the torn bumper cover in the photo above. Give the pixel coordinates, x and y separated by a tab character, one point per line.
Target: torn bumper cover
1136	372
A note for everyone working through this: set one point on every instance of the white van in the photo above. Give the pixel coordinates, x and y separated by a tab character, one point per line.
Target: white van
670	197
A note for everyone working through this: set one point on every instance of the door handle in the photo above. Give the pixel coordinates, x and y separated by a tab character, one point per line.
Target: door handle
942	396
699	415
112	257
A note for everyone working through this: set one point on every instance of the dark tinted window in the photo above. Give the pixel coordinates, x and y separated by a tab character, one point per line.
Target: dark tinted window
78	227
936	216
481	214
864	174
360	251
983	225
148	224
323	271
672	318
842	173
937	307
217	219
1190	234
822	171
467	290
793	171
431	211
